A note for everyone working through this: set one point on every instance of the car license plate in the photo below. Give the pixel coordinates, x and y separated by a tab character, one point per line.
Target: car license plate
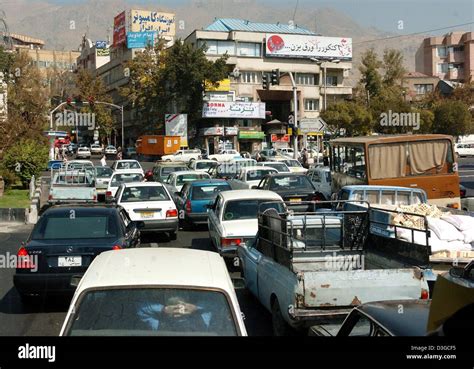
295	200
147	214
69	261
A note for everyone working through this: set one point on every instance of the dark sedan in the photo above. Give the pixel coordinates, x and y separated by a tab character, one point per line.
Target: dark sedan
63	244
296	189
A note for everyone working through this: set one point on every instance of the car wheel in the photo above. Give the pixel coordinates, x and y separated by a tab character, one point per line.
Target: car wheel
173	236
280	326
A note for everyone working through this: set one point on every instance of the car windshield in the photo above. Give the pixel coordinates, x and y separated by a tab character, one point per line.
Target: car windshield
290	183
165	171
280	167
256	175
118	179
153	311
103	172
128	165
206	164
183	178
144	193
111	147
208	192
293	163
78	227
248	209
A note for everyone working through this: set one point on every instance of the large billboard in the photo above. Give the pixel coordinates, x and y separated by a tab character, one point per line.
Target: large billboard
303	46
177	125
145	20
140	40
120	32
233	110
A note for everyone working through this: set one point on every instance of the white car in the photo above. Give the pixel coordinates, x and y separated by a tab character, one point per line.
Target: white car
321	178
126	165
151	203
110	150
183	155
202	165
83	152
122	177
464	149
287	152
233	220
225	155
96	149
176	180
155	292
281	167
250	177
294	165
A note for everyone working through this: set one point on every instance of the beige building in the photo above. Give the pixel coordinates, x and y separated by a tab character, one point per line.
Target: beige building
449	57
93	55
416	85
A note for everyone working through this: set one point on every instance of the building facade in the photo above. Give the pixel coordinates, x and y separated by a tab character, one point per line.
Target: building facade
416	85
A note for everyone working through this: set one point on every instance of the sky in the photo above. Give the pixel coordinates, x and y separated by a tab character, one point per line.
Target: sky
395	16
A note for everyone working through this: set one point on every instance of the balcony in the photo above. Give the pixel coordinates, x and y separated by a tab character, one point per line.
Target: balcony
456	57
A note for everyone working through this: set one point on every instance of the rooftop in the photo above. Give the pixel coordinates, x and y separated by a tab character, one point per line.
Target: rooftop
230	24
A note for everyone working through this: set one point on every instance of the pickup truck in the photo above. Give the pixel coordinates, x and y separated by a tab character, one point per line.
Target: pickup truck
72	186
316	266
225	155
249	177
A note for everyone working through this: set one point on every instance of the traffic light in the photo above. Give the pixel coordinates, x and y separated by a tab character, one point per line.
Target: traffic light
69	101
78	101
265	81
275	77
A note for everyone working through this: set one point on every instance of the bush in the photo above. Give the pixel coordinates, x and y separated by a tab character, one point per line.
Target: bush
10	178
452	118
26	158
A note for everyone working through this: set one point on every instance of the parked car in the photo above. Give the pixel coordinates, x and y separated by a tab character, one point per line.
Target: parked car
250	177
464	149
102	179
118	178
202	165
162	170
96	149
176	180
110	150
321	178
72	148
63	244
183	155
83	153
233	217
151	203
155	291
126	165
278	165
225	155
193	200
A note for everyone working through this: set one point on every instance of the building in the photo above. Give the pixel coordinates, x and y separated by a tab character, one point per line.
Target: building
449	57
256	50
416	85
93	55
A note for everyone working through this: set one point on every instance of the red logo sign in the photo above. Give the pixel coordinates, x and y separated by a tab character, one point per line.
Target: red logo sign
275	43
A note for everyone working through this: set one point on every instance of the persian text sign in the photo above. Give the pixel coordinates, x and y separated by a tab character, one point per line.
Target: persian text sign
120	33
144	20
139	40
301	46
233	110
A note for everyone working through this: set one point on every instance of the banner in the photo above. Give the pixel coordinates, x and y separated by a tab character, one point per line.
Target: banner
177	125
144	20
302	46
120	34
222	86
233	110
140	40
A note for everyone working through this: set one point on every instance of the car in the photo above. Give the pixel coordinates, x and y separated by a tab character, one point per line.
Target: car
130	153
225	155
202	165
83	153
297	189
293	164
232	218
122	177
183	155
162	170
321	178
96	149
155	292
126	165
64	242
464	149
268	155
54	164
381	319
287	152
102	179
151	203
110	150
194	197
230	169
278	165
176	180
250	177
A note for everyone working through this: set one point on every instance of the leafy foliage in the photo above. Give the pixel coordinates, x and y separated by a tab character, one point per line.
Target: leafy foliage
452	117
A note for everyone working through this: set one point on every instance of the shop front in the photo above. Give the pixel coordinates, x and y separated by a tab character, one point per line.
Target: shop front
219	138
250	140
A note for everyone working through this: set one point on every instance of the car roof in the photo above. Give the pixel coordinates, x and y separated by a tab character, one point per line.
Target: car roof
87	209
142	184
247	169
319	169
128	171
249	195
171	164
126	160
157	266
184	172
286	174
412	322
204	182
272	162
378	188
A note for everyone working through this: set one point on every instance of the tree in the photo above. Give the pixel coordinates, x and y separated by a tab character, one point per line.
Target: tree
452	118
349	116
393	67
369	68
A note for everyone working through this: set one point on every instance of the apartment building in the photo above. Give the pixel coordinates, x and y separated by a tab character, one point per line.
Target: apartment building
449	57
416	85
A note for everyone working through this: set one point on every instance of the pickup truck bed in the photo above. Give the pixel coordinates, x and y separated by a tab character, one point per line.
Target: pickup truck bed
72	187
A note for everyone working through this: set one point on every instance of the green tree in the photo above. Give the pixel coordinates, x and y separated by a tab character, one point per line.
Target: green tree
349	116
453	118
371	78
393	67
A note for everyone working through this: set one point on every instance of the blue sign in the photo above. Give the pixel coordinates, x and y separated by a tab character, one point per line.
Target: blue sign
101	44
140	40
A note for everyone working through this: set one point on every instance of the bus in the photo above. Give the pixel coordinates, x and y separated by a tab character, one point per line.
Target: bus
416	161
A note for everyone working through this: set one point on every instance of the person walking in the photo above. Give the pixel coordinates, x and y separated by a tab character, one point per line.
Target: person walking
103	161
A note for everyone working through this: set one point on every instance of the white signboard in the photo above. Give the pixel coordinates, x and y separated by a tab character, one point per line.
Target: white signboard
233	110
307	125
302	46
177	125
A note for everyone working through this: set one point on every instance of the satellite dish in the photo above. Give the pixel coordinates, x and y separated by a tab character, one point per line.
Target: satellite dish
236	72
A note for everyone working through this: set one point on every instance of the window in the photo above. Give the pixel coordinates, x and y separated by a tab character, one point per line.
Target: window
249	77
442	68
248	209
331	80
350	160
458	49
442	51
148	193
249	49
306	79
208	192
422	89
362	327
311	104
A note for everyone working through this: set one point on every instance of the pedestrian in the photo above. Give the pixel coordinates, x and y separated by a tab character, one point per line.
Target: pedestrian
103	161
305	158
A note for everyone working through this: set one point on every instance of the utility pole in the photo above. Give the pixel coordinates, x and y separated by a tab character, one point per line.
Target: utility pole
295	102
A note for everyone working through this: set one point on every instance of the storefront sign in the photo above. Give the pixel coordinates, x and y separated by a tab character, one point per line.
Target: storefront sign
251	135
212	131
231	131
280	138
120	33
233	110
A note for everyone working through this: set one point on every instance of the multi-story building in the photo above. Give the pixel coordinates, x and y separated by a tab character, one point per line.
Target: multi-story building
416	85
449	57
255	50
93	54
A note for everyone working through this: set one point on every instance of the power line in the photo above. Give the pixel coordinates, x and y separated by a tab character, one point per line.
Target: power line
412	34
296	8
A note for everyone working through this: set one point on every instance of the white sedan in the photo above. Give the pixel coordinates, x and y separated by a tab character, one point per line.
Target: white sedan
250	177
176	180
294	165
110	150
155	292
83	153
225	155
96	149
118	178
233	218
151	203
126	165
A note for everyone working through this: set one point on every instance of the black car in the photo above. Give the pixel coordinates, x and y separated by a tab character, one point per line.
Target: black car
63	244
297	189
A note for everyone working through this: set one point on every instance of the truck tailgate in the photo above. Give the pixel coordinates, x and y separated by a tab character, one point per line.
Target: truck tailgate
350	288
73	193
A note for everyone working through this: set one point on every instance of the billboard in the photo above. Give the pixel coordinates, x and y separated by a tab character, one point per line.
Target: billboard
120	33
223	86
303	46
177	125
233	110
145	20
140	40
101	44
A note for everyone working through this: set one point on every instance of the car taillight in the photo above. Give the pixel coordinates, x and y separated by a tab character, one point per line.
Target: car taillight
24	259
171	213
94	198
22	252
116	247
424	294
108	194
188	206
226	242
50	197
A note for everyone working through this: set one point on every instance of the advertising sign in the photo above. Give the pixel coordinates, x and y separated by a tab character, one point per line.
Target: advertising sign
140	40
145	20
231	131
177	125
103	52
233	110
212	131
120	33
223	85
302	46
101	44
251	135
